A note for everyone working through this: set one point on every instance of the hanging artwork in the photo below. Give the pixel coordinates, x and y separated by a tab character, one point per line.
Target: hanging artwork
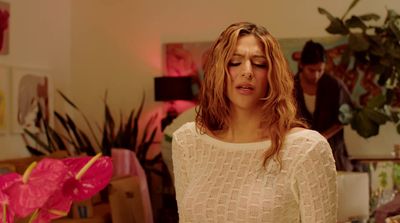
32	94
186	59
4	99
4	27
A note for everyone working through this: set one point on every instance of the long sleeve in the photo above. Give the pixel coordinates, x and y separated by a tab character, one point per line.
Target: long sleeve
179	160
315	180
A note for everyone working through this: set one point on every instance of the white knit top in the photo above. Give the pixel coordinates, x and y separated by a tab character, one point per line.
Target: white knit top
218	181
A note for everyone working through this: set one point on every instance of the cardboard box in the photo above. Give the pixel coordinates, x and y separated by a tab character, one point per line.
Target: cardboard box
126	200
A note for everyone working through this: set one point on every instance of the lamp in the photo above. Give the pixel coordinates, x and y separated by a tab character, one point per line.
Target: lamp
169	89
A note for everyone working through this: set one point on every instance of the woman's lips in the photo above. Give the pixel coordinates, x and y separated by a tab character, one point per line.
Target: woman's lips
245	89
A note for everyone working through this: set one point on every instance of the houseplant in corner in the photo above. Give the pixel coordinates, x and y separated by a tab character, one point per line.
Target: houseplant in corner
371	50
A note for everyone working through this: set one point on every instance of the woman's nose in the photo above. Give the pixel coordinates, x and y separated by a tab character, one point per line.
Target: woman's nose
247	71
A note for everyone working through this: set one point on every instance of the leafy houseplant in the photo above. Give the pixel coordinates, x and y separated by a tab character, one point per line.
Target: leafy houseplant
124	135
372	49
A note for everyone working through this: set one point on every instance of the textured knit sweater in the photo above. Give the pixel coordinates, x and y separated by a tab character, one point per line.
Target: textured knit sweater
218	181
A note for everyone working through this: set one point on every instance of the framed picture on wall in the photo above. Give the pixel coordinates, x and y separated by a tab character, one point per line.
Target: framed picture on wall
32	96
4	27
5	97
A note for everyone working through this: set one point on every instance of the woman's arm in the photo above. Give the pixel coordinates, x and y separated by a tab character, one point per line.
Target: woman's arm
179	160
315	176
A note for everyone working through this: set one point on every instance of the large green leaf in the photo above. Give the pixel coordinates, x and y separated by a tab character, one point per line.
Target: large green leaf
376	116
336	26
355	22
377	101
364	126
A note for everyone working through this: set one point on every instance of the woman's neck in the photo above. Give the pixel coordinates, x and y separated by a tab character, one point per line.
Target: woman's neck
245	126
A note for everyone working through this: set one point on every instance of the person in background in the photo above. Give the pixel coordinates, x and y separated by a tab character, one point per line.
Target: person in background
246	157
319	96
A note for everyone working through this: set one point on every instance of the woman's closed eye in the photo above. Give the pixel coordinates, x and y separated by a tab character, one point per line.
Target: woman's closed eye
233	63
260	65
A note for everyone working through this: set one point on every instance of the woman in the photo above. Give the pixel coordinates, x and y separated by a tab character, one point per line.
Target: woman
247	158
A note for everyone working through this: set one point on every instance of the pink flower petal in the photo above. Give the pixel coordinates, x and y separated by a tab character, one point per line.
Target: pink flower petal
58	202
96	177
45	178
8	179
9	213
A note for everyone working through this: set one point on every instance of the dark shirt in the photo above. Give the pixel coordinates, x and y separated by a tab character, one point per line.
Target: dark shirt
331	94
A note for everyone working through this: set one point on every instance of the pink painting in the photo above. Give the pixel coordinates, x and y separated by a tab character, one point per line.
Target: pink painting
4	27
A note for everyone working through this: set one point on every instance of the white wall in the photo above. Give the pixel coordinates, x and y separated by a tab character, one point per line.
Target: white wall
116	45
39	38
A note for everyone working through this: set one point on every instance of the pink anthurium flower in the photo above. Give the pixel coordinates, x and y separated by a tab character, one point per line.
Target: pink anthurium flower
38	183
57	206
6	180
87	176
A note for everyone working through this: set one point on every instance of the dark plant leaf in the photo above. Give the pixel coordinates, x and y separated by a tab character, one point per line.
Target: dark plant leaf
398	128
395	116
357	42
369	17
337	27
376	116
364	126
54	136
328	15
377	101
89	149
34	151
136	125
67	100
75	133
355	22
351	6
39	141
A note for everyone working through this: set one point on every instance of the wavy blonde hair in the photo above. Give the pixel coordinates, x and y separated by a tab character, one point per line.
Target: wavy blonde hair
279	107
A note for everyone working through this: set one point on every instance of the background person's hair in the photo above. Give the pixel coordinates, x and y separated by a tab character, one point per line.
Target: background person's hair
279	104
312	53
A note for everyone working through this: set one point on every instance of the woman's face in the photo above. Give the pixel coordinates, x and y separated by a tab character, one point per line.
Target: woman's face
247	81
311	73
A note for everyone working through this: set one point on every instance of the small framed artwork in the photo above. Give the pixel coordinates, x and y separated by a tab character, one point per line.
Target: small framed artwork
32	98
5	98
4	27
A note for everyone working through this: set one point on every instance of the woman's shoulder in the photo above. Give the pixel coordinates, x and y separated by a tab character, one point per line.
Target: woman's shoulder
302	136
186	130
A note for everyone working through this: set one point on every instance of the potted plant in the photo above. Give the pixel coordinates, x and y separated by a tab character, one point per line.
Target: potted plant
76	141
371	50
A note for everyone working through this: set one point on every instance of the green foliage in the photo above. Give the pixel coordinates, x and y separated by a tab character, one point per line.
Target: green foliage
374	48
